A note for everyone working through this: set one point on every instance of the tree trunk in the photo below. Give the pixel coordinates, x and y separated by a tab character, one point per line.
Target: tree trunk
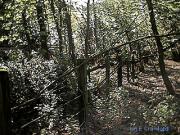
129	39
141	66
82	91
43	31
128	66
107	62
130	54
87	38
5	118
25	25
58	25
133	67
168	84
95	27
119	70
70	34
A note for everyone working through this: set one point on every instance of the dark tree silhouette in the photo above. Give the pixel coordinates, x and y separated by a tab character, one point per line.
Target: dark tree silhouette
165	77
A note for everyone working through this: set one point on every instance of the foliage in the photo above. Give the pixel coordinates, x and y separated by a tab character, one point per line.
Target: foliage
28	79
162	113
47	36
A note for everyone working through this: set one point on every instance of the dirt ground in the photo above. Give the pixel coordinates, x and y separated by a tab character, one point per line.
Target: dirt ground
148	84
173	68
150	81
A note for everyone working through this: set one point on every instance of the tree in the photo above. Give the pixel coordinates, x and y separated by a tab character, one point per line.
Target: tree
95	26
70	33
58	22
165	77
43	31
26	32
87	38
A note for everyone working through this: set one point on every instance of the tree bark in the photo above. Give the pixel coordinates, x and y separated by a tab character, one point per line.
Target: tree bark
107	63
58	24
25	25
95	27
141	66
82	91
119	70
87	38
128	66
4	104
133	67
43	31
168	84
70	33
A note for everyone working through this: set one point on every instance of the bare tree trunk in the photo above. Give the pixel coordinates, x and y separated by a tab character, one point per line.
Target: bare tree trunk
43	31
133	67
168	84
58	25
107	64
141	66
95	26
129	39
119	70
5	111
25	25
82	91
70	34
128	66
87	38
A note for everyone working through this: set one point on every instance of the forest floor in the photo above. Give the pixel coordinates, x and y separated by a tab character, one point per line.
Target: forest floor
145	93
173	69
150	81
135	104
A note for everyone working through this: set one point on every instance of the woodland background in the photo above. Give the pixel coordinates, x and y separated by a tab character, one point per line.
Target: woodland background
128	52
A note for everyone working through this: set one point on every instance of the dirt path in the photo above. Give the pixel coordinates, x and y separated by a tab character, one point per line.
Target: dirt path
149	82
173	68
147	86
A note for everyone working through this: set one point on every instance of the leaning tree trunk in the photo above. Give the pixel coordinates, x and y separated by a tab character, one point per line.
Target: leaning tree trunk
169	86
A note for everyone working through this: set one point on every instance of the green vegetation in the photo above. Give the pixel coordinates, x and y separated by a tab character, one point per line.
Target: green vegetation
104	67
